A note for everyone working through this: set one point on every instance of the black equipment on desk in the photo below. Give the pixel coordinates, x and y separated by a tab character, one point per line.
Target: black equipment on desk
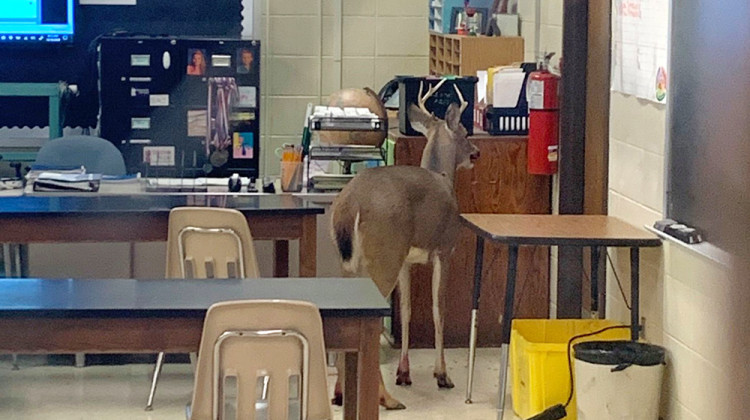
182	106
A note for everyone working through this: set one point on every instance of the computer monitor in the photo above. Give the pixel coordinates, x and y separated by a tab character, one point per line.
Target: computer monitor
36	21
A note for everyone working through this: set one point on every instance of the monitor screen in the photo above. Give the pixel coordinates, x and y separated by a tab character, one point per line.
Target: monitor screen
36	21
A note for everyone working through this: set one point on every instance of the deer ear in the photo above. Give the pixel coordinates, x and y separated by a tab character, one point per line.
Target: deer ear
452	116
418	119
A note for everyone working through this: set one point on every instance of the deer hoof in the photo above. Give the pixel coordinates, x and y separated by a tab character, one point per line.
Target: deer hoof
392	404
443	381
403	378
338	399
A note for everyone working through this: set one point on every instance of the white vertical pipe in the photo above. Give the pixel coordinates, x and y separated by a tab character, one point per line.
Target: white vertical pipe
338	35
320	56
538	55
265	78
257	16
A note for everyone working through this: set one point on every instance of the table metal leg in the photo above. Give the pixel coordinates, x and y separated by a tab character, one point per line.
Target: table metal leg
510	291
3	260
634	293
479	256
13	269
595	256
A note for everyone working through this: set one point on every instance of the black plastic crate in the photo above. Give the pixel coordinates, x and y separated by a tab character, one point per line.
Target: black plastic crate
408	90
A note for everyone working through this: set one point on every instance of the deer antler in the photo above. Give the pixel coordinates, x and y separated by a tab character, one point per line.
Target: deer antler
464	104
431	91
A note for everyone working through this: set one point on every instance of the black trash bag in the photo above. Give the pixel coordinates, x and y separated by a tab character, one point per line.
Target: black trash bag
620	354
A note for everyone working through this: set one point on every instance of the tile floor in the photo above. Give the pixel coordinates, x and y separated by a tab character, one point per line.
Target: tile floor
42	392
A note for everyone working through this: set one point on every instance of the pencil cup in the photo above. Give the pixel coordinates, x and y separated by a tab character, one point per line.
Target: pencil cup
291	176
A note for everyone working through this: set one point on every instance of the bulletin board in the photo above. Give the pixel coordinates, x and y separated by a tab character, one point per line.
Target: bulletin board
182	106
640	37
76	63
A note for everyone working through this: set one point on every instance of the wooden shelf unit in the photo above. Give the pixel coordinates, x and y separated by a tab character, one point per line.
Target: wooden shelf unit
463	55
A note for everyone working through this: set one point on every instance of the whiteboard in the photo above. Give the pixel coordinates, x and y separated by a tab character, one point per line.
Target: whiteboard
640	40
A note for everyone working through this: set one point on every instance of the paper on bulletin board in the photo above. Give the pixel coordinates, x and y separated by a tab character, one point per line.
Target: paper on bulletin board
109	2
640	35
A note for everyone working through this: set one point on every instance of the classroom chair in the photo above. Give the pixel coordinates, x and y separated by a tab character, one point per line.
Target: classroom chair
261	359
97	155
206	242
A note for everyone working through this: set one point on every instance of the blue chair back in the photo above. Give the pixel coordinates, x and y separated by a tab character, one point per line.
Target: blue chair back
97	155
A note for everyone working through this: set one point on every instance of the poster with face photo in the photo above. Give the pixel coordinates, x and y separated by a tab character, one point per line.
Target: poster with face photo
196	65
246	61
243	145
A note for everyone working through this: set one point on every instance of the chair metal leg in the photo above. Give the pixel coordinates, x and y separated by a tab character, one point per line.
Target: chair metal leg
154	380
193	361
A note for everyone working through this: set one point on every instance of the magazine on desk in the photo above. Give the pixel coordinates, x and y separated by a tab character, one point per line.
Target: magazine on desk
52	181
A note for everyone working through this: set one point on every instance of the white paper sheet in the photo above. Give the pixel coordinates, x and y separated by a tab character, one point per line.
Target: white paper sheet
506	88
482	86
640	35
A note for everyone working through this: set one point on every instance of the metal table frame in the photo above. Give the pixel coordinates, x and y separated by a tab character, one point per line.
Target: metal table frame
595	232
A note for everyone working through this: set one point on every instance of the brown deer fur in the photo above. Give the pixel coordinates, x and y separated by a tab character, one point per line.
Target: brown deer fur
388	218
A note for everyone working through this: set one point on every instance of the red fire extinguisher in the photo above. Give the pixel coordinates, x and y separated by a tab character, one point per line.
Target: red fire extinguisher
544	120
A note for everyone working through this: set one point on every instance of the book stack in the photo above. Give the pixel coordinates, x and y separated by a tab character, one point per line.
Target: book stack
66	182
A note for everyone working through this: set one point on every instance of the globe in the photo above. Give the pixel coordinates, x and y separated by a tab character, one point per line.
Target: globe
358	98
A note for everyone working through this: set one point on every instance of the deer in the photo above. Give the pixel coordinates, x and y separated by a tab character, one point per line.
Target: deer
388	218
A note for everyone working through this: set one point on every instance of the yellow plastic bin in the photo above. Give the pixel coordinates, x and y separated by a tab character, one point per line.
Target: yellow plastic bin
539	363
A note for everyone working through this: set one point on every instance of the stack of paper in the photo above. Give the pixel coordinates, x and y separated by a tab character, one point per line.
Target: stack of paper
52	181
329	182
347	118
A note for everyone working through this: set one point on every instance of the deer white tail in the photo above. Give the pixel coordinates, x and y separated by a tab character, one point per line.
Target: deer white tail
349	243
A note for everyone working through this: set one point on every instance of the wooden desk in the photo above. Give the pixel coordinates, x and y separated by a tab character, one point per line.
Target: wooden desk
143	217
591	231
149	316
498	183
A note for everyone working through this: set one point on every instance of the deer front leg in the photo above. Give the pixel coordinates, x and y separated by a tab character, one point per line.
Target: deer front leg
404	285
439	271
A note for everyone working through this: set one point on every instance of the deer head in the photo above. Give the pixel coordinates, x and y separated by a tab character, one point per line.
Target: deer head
447	146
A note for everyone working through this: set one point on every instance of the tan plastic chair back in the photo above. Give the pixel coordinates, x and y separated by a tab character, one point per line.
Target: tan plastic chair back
246	362
211	243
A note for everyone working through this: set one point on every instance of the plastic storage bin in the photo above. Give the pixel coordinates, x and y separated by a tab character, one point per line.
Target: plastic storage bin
408	91
539	364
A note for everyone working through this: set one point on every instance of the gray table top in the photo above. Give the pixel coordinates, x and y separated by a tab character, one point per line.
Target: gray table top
336	297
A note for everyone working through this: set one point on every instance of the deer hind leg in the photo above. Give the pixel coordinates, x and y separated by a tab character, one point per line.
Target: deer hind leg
384	271
386	400
439	271
404	284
